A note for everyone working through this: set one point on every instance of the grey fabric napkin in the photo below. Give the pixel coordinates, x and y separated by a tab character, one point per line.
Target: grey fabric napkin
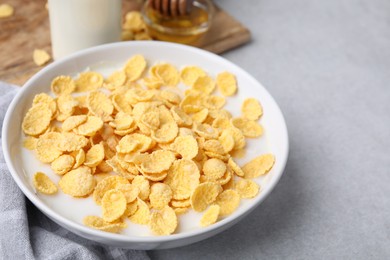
25	233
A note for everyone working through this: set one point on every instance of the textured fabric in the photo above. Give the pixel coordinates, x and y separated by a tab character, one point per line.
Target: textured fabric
25	233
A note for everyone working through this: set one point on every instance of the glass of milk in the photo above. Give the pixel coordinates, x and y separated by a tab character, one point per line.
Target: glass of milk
79	24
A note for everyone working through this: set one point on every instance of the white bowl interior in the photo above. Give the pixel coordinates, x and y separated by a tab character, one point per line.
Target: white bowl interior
69	212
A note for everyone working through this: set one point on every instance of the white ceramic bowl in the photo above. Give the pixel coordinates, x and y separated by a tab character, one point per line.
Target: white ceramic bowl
68	212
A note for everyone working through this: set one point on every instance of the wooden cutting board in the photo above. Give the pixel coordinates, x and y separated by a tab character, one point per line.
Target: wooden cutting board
28	29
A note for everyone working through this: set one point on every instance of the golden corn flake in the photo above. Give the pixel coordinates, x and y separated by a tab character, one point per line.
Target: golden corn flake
63	85
69	142
190	74
238	136
130	191
120	103
89	80
163	222
235	168
63	164
210	216
251	109
135	67
151	119
113	205
40	57
142	215
158	161
6	10
180	211
181	118
214	146
94	156
44	184
102	225
100	105
115	80
134	22
73	122
66	105
225	178
181	203
247	188
166	133
214	102
183	178
47	144
78	182
167	73
37	119
46	99
204	194
131	208
227	141
258	166
143	185
204	84
206	131
160	195
249	128
107	184
90	127
228	200
30	143
226	83
214	169
123	121
186	146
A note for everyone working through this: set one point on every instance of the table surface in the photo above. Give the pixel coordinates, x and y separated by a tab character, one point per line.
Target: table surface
327	65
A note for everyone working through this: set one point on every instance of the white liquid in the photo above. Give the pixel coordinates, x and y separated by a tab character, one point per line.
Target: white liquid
79	24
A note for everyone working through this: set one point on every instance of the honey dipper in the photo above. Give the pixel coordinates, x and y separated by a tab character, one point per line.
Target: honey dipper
172	7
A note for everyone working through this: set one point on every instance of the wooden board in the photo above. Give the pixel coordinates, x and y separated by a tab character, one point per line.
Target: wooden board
28	29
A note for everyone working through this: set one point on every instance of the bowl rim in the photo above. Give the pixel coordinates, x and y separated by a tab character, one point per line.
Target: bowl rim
126	238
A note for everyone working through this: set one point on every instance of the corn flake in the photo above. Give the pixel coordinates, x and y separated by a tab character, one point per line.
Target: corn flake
135	67
160	195
190	74
107	184
204	194
226	83
183	178
163	222
247	188
102	225
186	146
258	166
6	10
142	215
40	57
63	164
214	169
37	119
228	201
100	105
63	85
249	128
210	216
89	80
251	109
44	184
78	182
113	205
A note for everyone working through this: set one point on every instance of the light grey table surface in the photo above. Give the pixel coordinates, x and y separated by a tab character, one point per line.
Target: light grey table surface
327	64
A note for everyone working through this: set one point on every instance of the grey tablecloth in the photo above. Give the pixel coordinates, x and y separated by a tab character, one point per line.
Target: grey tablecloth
25	233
